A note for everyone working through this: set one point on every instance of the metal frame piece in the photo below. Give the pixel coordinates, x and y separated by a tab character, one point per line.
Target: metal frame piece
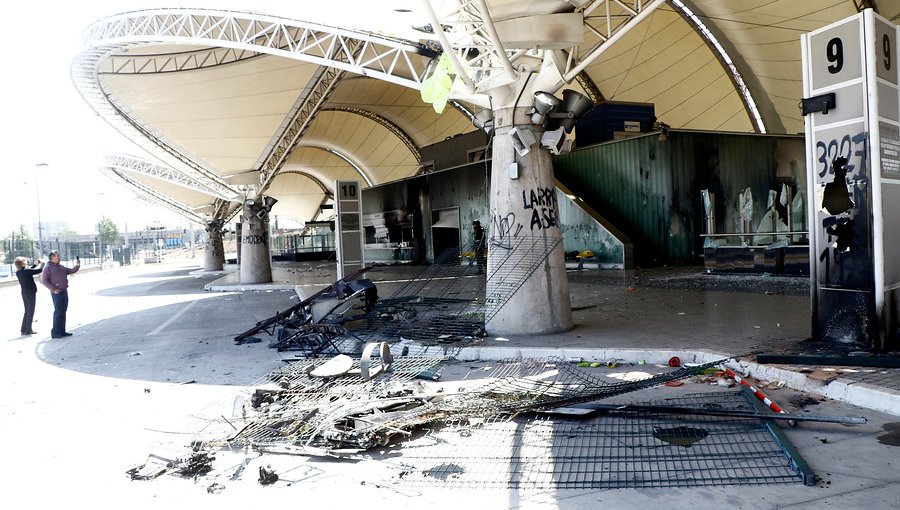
590	88
326	190
362	173
124	63
727	63
472	45
152	196
615	20
296	123
392	60
797	461
168	174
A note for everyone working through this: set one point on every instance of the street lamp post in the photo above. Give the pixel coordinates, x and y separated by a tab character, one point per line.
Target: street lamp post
37	185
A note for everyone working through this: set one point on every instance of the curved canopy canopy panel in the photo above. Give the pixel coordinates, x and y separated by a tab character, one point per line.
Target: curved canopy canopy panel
299	196
222	116
235	103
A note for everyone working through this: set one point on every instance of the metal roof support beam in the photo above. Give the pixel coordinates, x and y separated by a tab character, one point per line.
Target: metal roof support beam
88	85
391	60
730	67
590	88
125	63
296	123
360	170
326	190
152	196
164	173
473	45
619	19
385	123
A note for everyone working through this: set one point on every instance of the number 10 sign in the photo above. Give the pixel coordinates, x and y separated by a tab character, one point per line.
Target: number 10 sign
853	180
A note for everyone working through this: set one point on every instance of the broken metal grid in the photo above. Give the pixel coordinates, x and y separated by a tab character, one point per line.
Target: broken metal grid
349	414
301	406
605	452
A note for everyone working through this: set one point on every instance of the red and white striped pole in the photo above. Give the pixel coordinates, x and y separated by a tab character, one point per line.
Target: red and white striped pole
760	395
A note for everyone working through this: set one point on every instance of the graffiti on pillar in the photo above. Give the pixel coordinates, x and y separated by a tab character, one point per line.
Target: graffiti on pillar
544	207
843	200
216	249
254	239
504	229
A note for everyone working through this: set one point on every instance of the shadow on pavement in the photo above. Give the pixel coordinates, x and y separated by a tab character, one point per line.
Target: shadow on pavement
187	342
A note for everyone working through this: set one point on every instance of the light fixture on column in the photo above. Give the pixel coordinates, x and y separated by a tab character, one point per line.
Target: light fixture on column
556	141
522	140
484	120
544	103
266	207
574	104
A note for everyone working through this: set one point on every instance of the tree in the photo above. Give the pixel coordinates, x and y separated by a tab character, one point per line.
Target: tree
109	234
19	243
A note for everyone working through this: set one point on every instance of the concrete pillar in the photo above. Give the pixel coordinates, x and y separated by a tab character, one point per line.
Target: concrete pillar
214	251
256	265
524	225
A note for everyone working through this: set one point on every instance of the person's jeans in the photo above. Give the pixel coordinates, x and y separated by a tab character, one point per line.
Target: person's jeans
60	305
28	318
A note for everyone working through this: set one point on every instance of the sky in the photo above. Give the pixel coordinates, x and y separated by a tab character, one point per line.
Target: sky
45	120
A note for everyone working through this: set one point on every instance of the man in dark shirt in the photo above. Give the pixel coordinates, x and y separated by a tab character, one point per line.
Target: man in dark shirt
29	290
55	277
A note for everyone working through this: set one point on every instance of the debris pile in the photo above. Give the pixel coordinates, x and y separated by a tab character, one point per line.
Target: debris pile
339	412
448	302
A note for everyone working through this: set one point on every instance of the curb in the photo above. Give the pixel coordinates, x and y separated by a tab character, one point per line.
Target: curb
841	389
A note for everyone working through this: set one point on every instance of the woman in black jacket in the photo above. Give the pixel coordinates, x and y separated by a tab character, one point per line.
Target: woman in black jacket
29	290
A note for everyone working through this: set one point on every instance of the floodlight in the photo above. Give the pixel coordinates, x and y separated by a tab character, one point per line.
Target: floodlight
544	103
575	104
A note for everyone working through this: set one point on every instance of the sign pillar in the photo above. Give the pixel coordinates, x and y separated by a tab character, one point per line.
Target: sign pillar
850	88
349	228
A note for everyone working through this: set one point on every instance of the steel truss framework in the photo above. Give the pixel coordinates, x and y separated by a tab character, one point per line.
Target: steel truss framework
117	168
173	62
296	123
164	173
237	36
387	59
467	34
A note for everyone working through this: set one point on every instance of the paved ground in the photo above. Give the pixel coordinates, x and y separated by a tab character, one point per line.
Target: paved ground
152	363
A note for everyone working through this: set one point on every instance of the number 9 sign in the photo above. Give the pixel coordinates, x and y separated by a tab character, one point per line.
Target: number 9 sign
886	51
836	54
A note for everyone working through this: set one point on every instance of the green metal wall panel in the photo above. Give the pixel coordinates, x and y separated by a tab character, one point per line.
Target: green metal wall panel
650	188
